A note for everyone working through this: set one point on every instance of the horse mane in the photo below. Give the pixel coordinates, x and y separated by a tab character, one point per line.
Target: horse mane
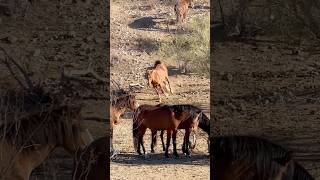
157	63
49	126
258	151
119	103
204	121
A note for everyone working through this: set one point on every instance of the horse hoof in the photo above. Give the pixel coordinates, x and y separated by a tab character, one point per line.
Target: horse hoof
166	155
152	151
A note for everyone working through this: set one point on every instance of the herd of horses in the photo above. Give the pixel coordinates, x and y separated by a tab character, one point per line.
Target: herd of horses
27	142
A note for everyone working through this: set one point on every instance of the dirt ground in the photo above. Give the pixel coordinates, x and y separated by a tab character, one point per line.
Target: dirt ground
268	89
53	35
135	27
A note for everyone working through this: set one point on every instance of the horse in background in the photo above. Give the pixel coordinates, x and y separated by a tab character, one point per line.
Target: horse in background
164	117
181	10
204	124
251	158
158	78
91	162
27	142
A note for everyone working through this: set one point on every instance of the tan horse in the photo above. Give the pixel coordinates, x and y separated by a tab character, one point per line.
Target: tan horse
181	9
25	144
158	78
91	163
164	117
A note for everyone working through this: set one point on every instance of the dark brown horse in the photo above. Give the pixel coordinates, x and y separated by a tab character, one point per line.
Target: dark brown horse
27	142
164	117
204	124
91	163
251	158
158	78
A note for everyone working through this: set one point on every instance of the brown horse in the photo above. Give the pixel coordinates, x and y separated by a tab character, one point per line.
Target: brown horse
204	124
91	163
181	10
26	143
164	117
158	78
119	105
251	158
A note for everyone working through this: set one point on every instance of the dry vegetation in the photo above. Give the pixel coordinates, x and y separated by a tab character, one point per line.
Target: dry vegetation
265	73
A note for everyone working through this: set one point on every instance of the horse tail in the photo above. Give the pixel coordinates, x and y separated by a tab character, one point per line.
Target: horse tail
167	79
135	129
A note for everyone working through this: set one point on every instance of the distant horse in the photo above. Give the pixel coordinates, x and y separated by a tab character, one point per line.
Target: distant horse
165	117
158	78
26	143
181	10
204	124
91	163
251	158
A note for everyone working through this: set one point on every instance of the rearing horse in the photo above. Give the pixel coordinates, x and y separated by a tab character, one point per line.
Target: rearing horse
26	143
165	117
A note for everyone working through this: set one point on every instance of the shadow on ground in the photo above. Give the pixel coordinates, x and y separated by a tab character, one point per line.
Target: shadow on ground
156	159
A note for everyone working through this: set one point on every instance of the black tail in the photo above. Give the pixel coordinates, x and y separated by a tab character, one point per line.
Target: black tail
204	123
135	129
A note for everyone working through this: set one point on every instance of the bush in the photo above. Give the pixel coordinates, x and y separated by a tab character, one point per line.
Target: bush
191	49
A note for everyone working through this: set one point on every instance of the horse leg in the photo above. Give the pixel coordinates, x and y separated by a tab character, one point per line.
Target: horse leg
186	141
168	143
174	142
143	131
157	91
154	139
140	140
163	146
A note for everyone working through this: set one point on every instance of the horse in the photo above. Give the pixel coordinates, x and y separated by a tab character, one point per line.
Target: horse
181	10
118	106
158	78
204	124
251	158
91	162
164	117
28	141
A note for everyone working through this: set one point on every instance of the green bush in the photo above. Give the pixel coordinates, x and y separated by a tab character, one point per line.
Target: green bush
190	48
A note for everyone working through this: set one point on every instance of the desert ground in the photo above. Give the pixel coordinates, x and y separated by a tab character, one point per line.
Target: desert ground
136	26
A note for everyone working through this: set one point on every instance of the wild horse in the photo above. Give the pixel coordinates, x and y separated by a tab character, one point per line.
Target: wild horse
165	117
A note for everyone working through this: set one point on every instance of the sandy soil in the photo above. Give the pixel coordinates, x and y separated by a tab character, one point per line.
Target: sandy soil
135	27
